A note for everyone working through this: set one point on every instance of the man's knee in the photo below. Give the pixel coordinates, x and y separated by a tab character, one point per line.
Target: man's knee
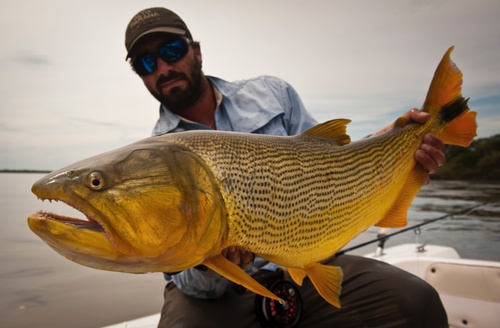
422	304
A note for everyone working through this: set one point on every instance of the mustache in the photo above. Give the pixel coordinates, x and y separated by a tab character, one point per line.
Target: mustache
172	75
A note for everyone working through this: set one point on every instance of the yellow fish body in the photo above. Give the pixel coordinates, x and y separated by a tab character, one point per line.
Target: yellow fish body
172	202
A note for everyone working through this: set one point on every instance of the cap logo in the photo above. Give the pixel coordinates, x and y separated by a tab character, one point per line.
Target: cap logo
143	16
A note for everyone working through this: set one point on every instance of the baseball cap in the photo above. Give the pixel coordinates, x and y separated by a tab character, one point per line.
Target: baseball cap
153	20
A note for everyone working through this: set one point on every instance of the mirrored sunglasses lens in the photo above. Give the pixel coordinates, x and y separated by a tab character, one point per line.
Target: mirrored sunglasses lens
145	64
174	51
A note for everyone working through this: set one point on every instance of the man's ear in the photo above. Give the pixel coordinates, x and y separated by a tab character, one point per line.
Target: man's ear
197	52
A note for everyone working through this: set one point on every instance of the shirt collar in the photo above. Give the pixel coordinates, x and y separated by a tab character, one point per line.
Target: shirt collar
247	104
248	119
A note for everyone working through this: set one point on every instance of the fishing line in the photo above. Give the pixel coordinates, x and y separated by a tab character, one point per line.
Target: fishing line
381	238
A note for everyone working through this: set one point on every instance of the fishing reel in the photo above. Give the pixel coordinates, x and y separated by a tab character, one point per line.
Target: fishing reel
271	313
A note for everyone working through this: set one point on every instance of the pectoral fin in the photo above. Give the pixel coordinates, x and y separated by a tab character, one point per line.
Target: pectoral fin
231	271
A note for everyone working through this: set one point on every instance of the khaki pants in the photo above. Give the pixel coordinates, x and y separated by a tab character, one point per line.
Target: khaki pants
374	294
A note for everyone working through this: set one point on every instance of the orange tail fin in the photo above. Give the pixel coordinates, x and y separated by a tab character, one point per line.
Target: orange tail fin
445	100
446	85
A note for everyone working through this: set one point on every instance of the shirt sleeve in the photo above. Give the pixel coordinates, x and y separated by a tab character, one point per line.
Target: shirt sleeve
296	117
201	284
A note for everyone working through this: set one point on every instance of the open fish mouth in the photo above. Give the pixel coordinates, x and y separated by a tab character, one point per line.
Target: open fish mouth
88	224
80	236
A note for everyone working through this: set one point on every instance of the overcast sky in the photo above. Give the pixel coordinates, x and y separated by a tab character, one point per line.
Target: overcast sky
67	93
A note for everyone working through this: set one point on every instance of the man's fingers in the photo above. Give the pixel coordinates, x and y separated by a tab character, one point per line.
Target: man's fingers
418	116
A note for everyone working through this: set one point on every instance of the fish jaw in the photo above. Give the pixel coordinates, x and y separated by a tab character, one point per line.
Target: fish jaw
65	236
150	206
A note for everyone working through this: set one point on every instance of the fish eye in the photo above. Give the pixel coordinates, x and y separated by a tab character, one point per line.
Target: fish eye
95	181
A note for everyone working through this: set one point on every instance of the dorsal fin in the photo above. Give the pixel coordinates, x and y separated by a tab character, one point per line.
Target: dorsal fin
334	130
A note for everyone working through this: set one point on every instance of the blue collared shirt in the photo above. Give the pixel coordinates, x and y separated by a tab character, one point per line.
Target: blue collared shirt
263	105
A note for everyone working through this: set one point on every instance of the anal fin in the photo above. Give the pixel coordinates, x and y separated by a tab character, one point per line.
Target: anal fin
396	216
231	271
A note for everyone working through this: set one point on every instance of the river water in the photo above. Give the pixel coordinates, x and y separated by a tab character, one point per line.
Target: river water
474	235
39	288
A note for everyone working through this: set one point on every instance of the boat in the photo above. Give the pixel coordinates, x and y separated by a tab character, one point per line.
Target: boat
469	289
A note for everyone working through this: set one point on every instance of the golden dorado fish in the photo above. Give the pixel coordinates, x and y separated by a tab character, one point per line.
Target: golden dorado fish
171	202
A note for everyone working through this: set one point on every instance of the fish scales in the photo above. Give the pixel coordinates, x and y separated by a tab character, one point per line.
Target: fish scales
290	197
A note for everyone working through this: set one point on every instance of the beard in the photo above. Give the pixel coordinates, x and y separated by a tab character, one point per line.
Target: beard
176	99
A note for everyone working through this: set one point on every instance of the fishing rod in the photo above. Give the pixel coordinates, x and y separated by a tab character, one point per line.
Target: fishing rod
383	237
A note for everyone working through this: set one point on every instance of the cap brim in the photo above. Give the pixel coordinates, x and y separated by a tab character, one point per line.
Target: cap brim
170	30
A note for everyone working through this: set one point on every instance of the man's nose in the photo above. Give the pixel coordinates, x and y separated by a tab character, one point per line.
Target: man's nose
162	66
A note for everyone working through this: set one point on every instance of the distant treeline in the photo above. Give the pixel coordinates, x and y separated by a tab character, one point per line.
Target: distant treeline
480	161
24	171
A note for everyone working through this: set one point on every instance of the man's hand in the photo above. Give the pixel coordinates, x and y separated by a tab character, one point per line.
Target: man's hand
431	153
238	256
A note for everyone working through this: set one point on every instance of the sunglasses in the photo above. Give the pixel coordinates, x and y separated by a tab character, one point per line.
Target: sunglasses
170	52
